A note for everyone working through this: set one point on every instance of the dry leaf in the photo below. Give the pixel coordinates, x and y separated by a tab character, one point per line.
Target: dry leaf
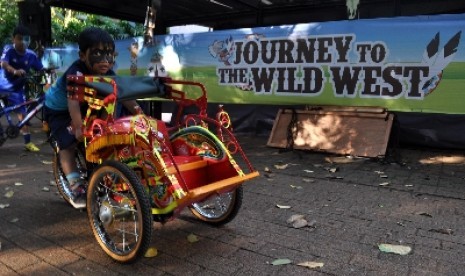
294	218
396	249
299	223
447	231
267	169
9	194
151	252
52	183
333	170
283	206
296	187
192	238
310	264
2	206
281	167
281	262
45	189
18	184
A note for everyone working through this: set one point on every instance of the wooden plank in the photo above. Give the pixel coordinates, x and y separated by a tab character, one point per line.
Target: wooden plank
348	133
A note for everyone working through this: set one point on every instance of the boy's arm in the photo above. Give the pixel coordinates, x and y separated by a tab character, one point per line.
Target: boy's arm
8	68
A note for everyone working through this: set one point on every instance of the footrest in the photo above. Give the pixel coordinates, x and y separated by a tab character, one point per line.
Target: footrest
203	192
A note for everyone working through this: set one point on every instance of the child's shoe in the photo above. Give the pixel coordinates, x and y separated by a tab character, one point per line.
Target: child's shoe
78	198
31	147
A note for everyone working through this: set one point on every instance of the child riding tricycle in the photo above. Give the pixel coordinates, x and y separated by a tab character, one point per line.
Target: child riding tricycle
145	171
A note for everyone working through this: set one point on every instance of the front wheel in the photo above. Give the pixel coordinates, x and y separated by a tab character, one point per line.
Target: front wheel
119	211
218	209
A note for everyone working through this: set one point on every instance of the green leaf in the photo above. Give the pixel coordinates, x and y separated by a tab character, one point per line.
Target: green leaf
281	262
396	249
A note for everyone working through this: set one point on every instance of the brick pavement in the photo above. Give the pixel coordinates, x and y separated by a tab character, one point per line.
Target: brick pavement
350	213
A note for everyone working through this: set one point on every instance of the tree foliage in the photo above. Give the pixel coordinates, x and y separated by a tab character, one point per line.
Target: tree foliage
8	20
66	24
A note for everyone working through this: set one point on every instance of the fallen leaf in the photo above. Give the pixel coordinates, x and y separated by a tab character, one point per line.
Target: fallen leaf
310	264
299	223
18	184
267	169
294	218
447	231
14	220
296	187
333	170
9	194
12	166
396	249
283	206
47	162
192	238
281	167
46	189
425	214
308	180
2	206
151	252
281	262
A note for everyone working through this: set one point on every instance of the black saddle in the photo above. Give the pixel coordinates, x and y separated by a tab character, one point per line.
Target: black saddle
132	88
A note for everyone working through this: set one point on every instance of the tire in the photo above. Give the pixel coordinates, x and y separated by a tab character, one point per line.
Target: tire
60	178
120	215
217	209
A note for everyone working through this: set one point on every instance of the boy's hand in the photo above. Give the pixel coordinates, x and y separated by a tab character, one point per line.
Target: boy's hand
19	73
78	134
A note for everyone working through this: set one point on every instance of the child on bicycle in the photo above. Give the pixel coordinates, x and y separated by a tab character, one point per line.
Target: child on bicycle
96	57
17	61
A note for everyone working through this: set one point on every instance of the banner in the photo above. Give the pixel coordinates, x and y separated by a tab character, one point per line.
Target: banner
412	64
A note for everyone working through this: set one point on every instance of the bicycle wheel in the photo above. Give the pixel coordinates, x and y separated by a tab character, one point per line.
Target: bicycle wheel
219	209
60	178
119	211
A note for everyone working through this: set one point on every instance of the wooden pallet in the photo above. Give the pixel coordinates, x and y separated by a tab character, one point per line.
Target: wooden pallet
357	131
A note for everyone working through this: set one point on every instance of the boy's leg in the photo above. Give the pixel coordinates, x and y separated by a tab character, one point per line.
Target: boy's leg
19	98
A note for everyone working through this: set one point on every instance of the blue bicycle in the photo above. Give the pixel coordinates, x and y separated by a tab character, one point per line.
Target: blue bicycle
35	101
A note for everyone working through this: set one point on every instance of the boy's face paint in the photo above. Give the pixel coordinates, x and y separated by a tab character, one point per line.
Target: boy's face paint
99	60
99	55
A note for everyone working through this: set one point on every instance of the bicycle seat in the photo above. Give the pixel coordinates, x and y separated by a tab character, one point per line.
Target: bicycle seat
132	88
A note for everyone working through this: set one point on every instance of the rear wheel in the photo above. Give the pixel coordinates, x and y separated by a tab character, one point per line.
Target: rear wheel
219	209
119	211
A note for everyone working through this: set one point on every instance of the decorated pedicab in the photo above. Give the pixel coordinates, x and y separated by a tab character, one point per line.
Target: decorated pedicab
141	170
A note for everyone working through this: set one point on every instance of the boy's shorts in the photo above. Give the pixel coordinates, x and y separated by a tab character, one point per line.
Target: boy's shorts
17	98
59	121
